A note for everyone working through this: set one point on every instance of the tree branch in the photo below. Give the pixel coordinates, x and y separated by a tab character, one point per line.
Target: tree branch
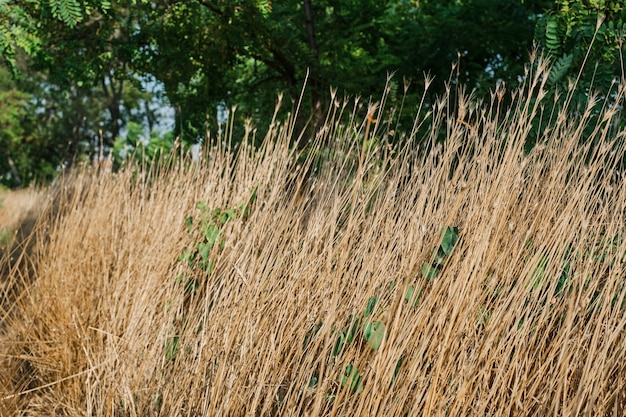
211	7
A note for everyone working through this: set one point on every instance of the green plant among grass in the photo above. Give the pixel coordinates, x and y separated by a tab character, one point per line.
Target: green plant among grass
430	271
541	280
369	331
208	225
352	379
171	347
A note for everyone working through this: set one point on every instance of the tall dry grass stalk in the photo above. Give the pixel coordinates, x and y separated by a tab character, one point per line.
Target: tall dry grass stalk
526	317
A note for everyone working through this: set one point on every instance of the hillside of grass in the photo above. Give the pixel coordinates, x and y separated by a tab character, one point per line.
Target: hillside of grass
468	278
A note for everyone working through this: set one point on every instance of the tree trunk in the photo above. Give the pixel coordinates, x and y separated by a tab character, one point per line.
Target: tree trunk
113	90
316	103
14	172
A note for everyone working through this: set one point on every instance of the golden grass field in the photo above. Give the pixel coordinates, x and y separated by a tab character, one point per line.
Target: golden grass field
525	316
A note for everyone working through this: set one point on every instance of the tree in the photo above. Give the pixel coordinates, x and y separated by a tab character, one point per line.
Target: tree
29	151
75	67
585	41
244	52
585	37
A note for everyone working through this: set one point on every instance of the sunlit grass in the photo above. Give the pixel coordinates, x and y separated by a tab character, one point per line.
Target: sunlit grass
14	209
473	279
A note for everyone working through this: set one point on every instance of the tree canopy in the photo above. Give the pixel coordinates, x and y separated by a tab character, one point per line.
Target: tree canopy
80	78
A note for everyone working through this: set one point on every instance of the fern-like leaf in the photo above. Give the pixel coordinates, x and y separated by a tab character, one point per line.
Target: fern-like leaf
560	68
68	11
552	36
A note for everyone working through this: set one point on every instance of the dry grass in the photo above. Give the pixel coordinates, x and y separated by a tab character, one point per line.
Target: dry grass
19	210
493	334
15	208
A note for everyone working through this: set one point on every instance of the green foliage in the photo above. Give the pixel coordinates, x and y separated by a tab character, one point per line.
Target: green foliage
207	229
13	111
369	308
245	52
413	295
539	272
586	42
552	36
366	329
560	68
29	150
449	239
68	11
172	347
17	31
352	379
374	333
143	151
370	331
547	284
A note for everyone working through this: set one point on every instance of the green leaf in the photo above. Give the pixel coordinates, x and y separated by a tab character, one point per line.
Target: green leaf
440	258
408	295
205	250
231	214
339	344
560	68
396	370
539	272
211	234
563	279
369	308
189	223
209	267
264	7
352	379
374	333
310	335
171	347
246	208
68	11
429	272
450	238
185	256
553	42
350	332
